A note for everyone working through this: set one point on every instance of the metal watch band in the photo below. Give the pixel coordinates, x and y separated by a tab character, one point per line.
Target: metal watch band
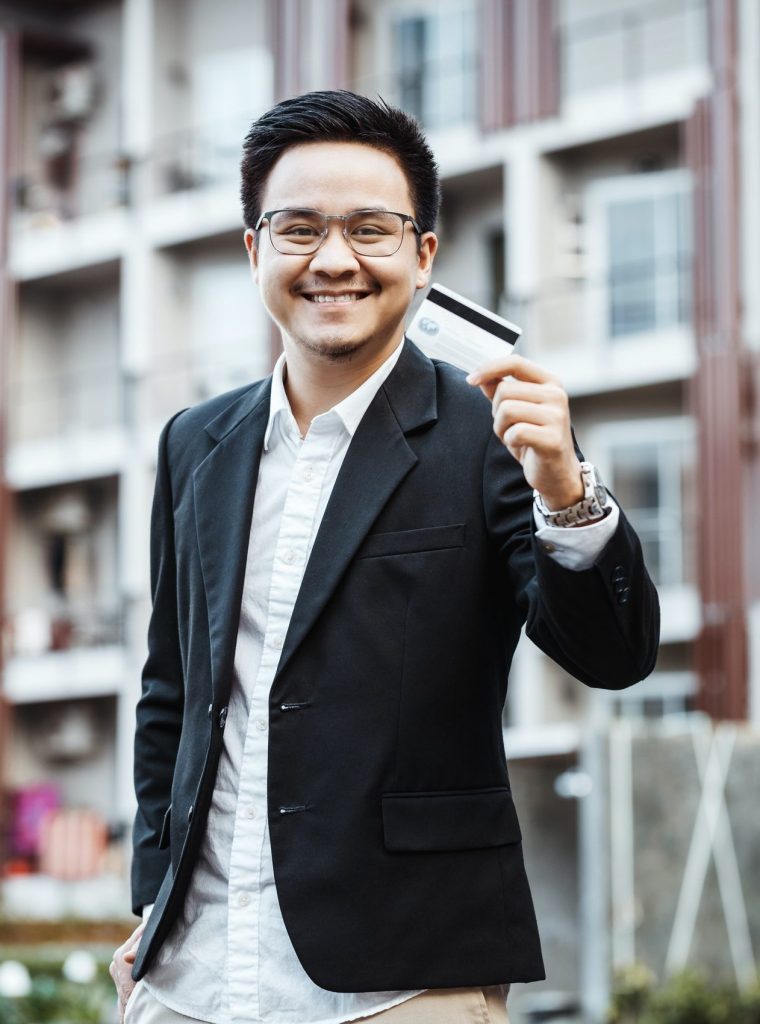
589	508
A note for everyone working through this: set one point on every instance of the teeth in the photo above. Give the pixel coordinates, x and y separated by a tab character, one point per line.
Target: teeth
352	297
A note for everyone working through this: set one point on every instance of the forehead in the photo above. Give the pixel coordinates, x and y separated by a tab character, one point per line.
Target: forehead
336	177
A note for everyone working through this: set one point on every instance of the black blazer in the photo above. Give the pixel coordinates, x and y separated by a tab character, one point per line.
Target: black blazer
395	841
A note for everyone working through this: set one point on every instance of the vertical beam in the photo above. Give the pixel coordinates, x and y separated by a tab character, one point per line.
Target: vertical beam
495	31
594	864
718	395
9	92
749	89
310	43
519	72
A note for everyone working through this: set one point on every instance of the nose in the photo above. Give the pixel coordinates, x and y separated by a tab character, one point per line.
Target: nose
335	256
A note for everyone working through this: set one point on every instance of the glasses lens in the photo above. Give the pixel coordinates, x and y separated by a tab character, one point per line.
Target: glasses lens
294	231
375	233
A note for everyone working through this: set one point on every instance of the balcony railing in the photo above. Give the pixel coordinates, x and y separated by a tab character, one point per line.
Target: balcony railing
439	93
40	629
626	46
64	403
72	186
200	156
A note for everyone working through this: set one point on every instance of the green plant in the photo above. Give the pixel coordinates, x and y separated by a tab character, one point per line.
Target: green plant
686	998
54	1000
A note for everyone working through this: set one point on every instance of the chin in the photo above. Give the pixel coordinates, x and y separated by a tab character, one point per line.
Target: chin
336	349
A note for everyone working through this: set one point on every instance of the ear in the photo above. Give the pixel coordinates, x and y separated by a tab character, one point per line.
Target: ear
253	252
425	257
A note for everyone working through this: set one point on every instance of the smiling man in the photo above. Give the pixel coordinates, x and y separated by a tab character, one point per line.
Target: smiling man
343	556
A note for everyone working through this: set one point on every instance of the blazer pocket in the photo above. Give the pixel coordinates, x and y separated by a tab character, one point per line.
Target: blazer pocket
401	542
165	839
467	819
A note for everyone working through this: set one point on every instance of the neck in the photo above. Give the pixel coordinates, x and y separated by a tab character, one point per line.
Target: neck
314	385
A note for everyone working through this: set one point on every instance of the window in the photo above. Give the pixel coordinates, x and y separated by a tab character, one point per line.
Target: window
648	465
640	254
434	56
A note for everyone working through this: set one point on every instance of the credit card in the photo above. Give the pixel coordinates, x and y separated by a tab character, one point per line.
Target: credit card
448	326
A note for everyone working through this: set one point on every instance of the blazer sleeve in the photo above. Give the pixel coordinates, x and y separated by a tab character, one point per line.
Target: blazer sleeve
160	708
601	624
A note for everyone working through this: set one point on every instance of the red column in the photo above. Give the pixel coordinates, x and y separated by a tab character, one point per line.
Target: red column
718	393
9	87
519	69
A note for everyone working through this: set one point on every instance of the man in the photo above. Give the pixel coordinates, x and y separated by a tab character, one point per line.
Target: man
343	556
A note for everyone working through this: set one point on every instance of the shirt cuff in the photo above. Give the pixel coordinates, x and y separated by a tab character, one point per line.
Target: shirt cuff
576	547
146	911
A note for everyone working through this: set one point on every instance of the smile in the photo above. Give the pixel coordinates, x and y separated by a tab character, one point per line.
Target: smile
344	298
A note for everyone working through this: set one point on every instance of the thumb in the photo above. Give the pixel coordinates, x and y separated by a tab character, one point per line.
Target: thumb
129	956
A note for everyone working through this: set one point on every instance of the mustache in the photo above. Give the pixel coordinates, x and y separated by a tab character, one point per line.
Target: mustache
314	286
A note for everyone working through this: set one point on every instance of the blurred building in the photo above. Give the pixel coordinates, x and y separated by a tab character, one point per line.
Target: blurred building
599	160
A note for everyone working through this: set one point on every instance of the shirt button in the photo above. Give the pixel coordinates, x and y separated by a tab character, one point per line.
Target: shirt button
289	557
308	475
244	899
261	724
250	812
550	548
278	640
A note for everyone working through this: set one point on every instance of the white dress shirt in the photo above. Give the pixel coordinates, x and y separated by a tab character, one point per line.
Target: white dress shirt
228	958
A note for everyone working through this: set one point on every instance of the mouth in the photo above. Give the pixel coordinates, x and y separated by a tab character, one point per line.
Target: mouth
335	298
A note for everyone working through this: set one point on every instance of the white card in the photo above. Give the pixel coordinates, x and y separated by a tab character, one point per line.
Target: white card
448	326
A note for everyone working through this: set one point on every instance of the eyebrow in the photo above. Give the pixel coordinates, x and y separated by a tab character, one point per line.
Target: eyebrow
357	209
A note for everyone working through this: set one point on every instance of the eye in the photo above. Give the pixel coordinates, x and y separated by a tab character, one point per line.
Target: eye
375	224
296	225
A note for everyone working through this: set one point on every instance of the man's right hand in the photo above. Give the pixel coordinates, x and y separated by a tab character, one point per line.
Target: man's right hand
120	968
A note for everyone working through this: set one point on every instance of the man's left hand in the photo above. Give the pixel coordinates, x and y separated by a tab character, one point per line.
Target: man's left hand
531	417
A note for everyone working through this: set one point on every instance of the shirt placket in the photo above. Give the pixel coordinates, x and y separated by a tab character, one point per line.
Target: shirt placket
292	548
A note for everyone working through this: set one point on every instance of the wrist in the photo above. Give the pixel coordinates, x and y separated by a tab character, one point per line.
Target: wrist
567	489
592	506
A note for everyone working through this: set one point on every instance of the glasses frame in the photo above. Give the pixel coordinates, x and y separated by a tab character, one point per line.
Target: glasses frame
335	216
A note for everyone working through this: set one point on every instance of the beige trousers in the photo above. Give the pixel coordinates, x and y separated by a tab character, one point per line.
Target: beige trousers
436	1006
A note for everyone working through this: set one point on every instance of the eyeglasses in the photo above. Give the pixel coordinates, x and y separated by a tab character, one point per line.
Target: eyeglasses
368	232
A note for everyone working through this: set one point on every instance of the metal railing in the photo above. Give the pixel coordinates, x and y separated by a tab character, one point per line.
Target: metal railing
72	187
198	156
63	403
63	625
628	45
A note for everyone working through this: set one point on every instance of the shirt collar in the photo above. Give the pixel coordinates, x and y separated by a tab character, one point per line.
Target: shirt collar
350	410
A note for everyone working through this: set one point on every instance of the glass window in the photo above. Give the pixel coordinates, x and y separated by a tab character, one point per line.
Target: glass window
651	480
435	65
649	252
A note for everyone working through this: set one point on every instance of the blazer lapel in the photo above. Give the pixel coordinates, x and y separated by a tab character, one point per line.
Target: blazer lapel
224	485
378	459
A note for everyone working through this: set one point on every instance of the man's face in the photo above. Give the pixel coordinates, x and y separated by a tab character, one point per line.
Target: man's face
339	177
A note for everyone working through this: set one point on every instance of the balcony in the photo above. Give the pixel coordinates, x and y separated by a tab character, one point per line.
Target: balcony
428	63
75	651
627	53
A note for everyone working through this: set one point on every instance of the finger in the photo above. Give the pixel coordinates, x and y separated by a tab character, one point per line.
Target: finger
130	957
539	394
511	387
511	365
510	413
527	435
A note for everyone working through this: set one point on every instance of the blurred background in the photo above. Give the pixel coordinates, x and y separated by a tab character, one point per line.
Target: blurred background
600	162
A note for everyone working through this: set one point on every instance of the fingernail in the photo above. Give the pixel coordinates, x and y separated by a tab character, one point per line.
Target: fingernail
470	378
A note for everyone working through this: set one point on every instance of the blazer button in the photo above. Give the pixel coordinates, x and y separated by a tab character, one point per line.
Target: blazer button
190	814
623	595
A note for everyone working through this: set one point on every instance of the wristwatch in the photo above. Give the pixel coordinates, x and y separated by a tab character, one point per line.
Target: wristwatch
593	505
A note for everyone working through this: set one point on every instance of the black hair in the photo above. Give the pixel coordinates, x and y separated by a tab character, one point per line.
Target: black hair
340	116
